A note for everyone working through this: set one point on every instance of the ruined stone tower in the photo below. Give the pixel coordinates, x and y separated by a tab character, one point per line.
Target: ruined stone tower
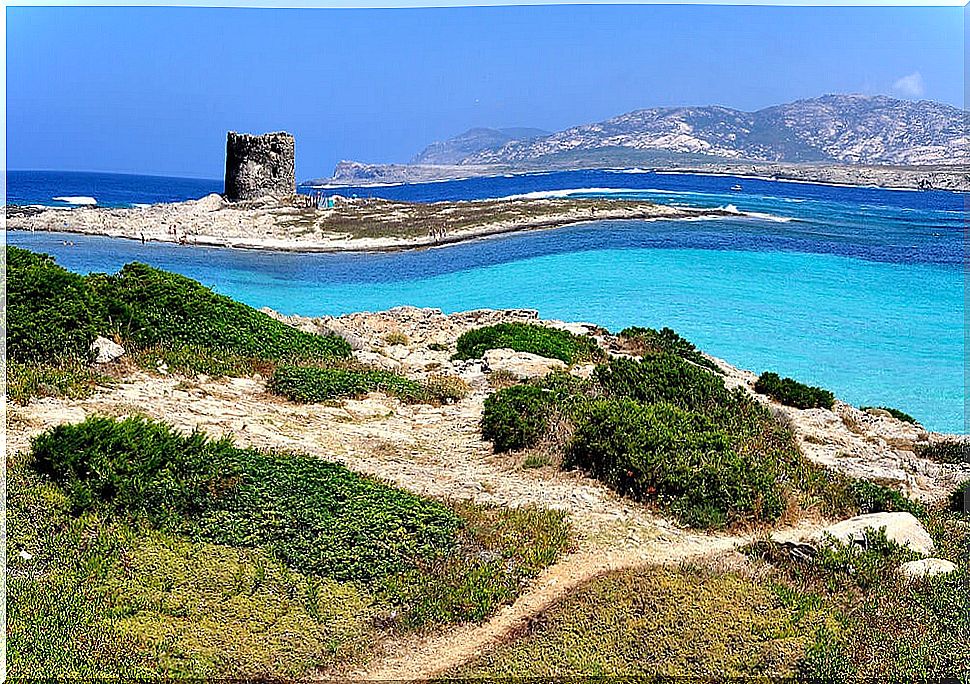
258	165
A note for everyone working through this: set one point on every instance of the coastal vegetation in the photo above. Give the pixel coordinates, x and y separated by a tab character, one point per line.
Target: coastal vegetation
793	393
527	337
307	385
315	384
138	550
878	622
645	341
665	430
945	451
181	555
162	319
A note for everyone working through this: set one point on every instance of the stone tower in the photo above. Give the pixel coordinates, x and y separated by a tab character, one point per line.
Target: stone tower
258	165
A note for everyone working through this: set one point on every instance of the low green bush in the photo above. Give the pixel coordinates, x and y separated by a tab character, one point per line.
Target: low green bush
661	378
675	457
316	516
871	497
311	384
879	624
178	556
793	393
895	413
515	417
527	337
651	341
149	306
945	451
51	314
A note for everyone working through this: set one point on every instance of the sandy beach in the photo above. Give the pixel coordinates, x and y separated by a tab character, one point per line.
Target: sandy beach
352	225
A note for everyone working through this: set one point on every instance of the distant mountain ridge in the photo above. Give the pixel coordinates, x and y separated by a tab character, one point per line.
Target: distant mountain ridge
853	129
473	141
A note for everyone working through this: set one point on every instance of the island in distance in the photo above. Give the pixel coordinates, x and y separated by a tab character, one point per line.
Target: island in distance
844	139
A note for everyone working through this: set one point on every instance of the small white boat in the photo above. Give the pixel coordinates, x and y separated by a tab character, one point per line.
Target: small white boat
736	188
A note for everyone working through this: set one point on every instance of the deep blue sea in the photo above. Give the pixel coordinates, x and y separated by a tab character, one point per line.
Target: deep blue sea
860	290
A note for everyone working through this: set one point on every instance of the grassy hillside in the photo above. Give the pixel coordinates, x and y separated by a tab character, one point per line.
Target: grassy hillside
177	555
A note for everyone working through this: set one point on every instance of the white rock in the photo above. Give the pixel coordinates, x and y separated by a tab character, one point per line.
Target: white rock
212	202
902	528
26	555
520	364
927	567
379	360
106	351
584	371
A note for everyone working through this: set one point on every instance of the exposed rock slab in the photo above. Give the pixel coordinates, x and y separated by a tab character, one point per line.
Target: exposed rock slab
901	527
521	364
927	567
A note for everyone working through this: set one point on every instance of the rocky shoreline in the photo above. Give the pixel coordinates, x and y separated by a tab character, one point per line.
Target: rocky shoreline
869	444
351	225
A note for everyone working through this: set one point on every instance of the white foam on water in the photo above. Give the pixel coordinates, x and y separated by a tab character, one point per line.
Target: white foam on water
732	209
79	200
552	194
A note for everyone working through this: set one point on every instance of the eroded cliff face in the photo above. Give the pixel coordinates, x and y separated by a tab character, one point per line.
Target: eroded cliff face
259	165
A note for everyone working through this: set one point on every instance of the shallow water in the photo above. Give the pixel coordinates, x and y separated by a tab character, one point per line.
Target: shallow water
859	290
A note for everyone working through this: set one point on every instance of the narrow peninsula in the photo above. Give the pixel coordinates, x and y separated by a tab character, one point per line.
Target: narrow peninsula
340	224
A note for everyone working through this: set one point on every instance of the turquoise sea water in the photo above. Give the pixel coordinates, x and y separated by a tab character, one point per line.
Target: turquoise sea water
863	294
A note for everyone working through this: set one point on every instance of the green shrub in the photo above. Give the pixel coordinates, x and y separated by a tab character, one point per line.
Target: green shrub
678	458
895	413
51	314
871	497
527	337
149	307
515	417
661	378
882	625
945	451
310	384
316	516
793	393
650	341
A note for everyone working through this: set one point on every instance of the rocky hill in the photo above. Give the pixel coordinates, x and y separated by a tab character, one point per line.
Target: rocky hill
473	141
852	129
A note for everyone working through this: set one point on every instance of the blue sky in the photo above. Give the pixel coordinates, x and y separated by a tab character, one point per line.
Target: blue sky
154	90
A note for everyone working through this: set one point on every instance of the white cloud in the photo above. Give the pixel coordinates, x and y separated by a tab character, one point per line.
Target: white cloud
910	86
